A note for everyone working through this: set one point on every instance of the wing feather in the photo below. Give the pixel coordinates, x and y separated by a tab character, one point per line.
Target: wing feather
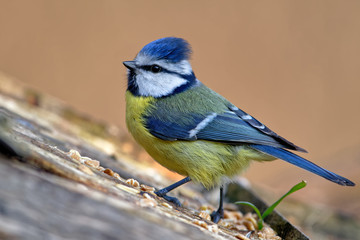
213	119
226	128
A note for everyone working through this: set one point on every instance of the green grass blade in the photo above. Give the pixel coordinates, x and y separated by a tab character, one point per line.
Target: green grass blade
260	222
295	188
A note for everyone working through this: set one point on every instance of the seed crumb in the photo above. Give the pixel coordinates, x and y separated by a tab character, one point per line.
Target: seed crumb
74	154
165	204
205	215
109	172
145	202
132	182
200	223
241	237
213	228
146	188
92	163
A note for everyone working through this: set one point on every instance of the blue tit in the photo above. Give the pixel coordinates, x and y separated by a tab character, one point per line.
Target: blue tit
194	131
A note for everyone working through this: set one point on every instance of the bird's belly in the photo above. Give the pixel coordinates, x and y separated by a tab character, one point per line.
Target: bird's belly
209	163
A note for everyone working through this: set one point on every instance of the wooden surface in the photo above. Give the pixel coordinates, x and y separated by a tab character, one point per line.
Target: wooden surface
47	194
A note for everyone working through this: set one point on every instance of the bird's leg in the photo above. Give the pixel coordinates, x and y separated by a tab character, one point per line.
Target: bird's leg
162	192
219	214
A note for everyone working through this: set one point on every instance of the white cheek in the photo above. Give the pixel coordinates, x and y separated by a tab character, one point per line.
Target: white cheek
158	85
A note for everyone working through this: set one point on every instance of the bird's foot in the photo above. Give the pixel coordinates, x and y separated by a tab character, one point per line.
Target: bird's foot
217	215
173	200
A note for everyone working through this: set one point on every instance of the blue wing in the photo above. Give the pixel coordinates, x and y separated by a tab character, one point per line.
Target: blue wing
227	127
261	127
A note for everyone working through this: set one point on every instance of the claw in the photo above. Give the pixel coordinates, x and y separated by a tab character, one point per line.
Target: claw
216	216
219	214
162	192
173	200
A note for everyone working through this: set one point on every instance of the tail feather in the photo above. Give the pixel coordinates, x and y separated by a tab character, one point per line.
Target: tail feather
303	163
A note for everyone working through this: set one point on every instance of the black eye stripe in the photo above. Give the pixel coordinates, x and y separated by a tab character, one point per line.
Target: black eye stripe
153	68
188	77
148	68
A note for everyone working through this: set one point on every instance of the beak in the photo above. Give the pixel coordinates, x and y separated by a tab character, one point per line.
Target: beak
130	64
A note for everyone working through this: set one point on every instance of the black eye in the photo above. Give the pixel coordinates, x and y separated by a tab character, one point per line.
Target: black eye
155	68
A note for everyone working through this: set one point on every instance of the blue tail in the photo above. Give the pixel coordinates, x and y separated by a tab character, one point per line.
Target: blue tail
303	163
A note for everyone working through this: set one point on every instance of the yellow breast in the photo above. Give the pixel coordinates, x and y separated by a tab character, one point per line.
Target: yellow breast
159	149
136	107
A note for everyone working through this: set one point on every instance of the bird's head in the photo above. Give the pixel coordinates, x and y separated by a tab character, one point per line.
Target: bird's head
161	68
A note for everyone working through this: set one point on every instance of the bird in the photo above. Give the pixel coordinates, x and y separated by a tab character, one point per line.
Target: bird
194	131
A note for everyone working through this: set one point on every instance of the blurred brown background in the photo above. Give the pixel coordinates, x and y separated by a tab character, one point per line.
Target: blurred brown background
295	65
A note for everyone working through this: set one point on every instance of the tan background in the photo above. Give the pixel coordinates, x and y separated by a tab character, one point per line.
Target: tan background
295	65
